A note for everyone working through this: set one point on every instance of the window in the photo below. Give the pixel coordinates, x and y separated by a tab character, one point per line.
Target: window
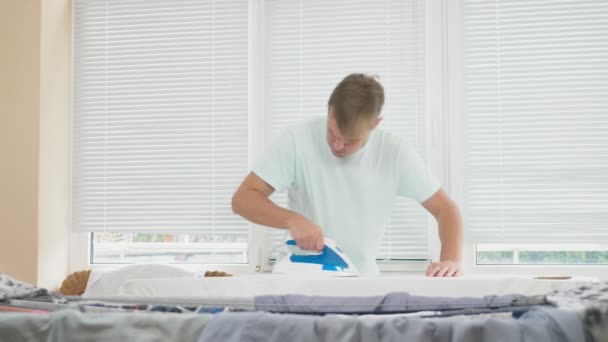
164	130
160	123
536	130
312	45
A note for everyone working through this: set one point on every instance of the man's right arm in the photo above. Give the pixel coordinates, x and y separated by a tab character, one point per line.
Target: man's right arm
251	201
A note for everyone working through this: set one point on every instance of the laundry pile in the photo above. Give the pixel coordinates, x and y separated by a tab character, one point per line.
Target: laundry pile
579	314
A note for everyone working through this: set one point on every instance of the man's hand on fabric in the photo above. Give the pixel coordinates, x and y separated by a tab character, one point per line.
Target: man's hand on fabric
308	235
445	268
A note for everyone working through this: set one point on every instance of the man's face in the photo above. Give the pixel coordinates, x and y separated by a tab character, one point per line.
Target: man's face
341	145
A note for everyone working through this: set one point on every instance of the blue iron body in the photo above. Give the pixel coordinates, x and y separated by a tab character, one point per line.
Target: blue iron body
331	261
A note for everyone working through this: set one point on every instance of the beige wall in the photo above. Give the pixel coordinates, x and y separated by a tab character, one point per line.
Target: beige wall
34	139
19	122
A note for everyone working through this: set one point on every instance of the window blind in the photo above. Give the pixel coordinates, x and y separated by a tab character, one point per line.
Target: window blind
311	45
536	75
160	116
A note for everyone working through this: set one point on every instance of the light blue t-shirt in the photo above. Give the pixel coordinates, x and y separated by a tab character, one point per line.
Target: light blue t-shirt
350	198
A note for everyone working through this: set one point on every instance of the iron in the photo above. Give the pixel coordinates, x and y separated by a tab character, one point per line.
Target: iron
331	261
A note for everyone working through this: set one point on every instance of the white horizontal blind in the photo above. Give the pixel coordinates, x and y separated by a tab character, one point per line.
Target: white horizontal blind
311	45
537	121
160	116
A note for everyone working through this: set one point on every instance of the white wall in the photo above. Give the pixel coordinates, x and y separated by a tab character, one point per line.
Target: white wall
54	173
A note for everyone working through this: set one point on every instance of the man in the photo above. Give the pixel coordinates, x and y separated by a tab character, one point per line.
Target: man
343	176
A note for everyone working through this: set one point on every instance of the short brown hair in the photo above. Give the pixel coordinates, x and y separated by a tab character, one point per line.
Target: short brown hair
357	99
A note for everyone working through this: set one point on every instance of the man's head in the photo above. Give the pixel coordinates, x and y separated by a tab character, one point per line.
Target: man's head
353	112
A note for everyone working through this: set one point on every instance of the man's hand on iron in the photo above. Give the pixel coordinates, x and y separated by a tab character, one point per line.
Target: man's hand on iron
445	268
308	235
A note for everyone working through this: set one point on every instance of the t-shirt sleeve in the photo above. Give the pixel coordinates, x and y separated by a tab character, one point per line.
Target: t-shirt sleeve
277	165
414	178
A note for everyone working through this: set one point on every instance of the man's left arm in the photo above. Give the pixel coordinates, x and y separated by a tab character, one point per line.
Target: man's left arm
448	217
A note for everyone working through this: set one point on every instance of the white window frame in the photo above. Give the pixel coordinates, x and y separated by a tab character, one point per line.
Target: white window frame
455	147
436	104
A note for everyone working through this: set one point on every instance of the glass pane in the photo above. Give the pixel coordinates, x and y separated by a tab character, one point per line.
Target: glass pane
539	254
495	258
563	257
125	248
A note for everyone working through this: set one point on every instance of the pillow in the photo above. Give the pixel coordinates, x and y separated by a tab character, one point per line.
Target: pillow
107	282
